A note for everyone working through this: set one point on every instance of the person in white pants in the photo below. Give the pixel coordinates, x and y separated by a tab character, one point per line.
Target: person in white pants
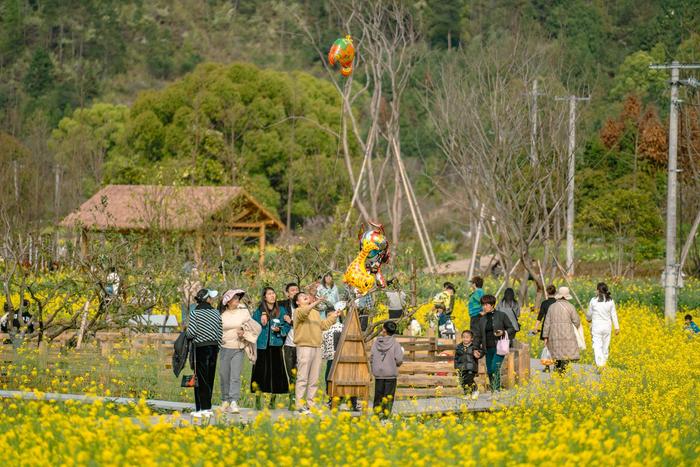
603	318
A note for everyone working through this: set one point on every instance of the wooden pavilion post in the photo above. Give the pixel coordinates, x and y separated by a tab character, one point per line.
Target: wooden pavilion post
261	258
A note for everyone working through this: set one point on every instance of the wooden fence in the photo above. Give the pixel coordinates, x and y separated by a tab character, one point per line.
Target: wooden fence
428	368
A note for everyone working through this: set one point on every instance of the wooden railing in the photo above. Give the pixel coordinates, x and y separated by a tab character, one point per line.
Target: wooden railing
428	368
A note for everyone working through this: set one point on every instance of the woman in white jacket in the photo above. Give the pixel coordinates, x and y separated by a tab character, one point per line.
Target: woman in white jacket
234	314
603	318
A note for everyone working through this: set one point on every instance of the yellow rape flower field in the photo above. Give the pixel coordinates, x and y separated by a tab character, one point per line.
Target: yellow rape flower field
644	411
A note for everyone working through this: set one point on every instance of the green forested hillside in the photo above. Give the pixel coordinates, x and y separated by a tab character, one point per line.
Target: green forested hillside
224	92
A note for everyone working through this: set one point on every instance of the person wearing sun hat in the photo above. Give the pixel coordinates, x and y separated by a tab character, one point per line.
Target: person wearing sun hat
205	331
234	315
558	330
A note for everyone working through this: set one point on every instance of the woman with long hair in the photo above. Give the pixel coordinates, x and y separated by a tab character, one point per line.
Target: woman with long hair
511	308
603	317
269	373
328	291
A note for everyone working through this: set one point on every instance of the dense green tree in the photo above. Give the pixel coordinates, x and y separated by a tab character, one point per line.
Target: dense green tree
272	132
11	30
81	144
689	50
444	23
635	77
628	218
40	75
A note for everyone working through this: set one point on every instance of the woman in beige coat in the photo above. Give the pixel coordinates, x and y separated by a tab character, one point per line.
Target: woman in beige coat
558	330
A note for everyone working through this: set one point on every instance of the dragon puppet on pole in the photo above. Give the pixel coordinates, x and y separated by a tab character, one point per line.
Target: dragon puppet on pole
364	273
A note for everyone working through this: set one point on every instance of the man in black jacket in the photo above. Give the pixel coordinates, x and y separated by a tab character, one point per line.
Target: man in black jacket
492	326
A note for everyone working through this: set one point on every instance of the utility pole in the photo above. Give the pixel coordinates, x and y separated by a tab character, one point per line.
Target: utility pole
475	247
671	274
571	173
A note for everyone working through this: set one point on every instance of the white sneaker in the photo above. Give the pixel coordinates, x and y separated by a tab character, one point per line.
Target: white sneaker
207	413
233	407
197	414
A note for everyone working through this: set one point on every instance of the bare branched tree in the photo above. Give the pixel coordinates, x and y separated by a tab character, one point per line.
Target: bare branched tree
480	109
385	38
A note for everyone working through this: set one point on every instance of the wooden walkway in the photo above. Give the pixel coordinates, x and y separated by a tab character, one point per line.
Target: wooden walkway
403	407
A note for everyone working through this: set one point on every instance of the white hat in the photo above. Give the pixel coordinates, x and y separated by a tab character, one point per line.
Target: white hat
203	294
563	292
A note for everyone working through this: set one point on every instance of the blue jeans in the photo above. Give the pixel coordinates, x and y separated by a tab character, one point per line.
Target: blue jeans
493	368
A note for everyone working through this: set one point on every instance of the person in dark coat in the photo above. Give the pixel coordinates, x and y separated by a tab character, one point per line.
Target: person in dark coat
491	326
544	308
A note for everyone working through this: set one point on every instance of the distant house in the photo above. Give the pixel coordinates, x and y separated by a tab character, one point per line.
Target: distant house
155	323
190	210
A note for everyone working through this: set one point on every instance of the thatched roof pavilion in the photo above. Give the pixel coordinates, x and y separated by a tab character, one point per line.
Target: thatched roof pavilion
188	209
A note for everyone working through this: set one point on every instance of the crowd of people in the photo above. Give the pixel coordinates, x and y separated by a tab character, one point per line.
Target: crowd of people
286	340
19	322
494	325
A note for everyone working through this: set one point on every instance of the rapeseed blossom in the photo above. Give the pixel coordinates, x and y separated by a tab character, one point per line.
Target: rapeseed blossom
643	411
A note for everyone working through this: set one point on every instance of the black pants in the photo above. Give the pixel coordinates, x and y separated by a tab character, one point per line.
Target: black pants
467	381
364	321
560	366
474	323
395	314
384	390
290	363
205	363
328	372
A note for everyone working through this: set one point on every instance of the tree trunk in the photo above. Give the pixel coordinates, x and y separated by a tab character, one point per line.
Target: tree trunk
396	211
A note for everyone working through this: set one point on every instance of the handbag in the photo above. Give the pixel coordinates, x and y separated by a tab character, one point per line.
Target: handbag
190	381
580	339
503	345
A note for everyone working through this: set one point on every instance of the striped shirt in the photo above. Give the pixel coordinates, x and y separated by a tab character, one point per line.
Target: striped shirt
205	326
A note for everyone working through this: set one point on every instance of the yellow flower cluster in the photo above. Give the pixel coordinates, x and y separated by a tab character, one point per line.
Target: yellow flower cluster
644	411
